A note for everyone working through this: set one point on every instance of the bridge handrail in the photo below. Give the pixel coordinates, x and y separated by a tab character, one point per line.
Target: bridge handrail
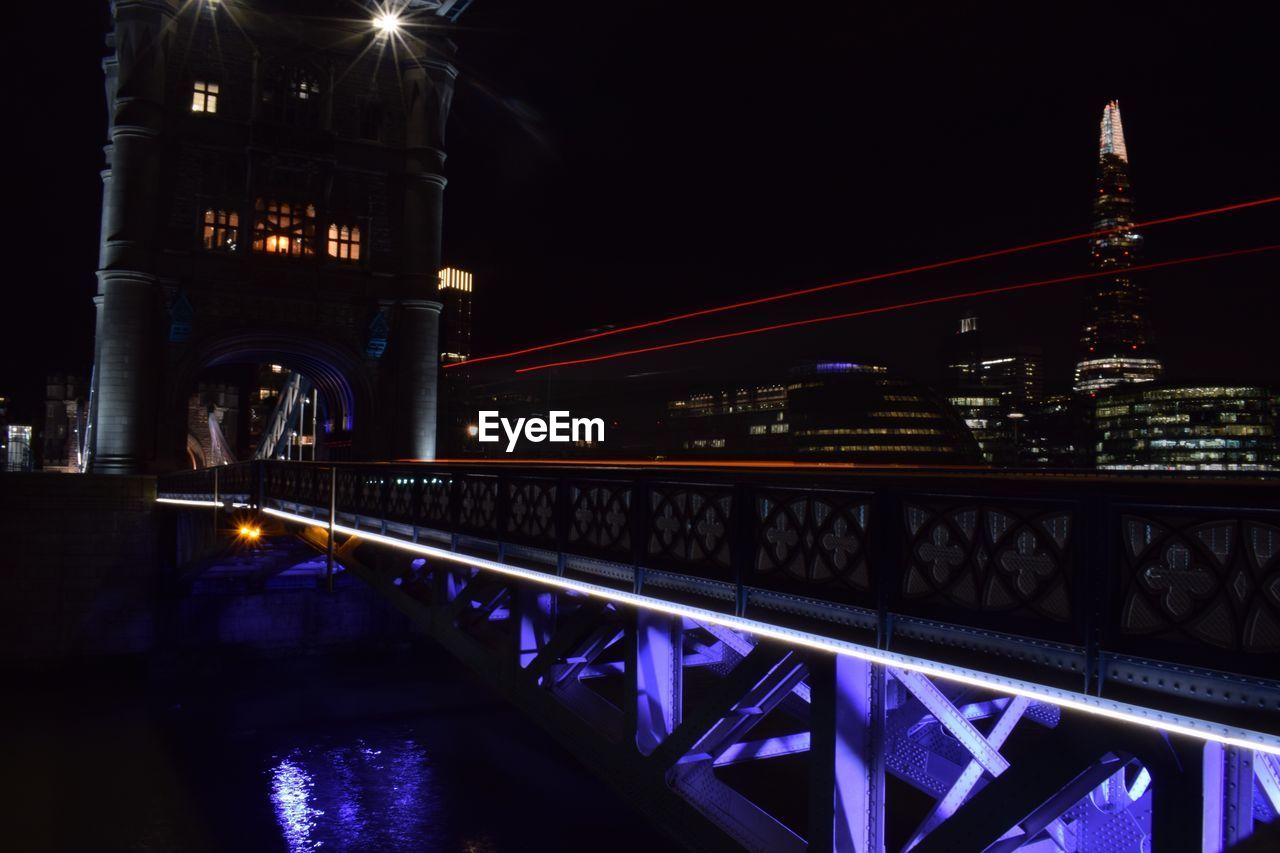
1110	585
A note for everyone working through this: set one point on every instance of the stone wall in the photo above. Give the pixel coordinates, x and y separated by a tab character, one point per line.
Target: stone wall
87	568
78	565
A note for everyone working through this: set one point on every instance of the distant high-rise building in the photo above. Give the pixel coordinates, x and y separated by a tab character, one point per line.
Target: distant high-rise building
1116	333
1014	374
18	448
455	318
4	433
455	346
991	389
825	411
66	415
1188	427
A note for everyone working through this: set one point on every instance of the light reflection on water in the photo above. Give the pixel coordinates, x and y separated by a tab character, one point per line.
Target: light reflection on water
358	796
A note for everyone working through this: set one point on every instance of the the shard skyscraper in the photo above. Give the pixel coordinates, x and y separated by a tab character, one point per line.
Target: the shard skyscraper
1116	334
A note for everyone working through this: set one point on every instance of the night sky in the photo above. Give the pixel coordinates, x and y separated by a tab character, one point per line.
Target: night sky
612	162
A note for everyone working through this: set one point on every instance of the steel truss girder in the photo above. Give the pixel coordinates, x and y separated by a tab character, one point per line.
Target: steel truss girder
1026	797
972	772
659	678
847	756
559	638
758	685
1228	796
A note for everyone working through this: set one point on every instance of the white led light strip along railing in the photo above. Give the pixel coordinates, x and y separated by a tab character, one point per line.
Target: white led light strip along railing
187	502
1111	709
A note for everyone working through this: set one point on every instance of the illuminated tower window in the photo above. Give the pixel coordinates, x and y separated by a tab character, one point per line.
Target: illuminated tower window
305	88
204	97
344	242
281	228
221	229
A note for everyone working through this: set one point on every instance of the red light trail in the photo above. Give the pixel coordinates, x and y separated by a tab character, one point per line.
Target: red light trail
790	294
900	306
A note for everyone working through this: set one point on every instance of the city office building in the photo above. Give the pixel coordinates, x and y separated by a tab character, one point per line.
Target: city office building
988	421
990	388
826	411
747	421
1015	374
1055	433
1116	333
4	433
17	447
66	418
455	317
859	413
456	418
1187	427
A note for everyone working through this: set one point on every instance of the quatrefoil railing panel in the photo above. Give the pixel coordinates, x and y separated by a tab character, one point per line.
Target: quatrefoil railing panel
478	504
599	517
531	508
1197	581
1009	559
689	526
812	543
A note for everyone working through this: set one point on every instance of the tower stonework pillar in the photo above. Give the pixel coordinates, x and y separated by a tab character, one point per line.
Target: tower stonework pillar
128	293
429	82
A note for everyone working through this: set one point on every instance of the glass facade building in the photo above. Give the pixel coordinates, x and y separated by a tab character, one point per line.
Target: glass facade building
455	318
824	411
1187	427
991	389
455	292
18	456
1116	333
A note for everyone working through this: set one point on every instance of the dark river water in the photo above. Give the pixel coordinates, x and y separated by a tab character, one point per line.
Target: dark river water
382	752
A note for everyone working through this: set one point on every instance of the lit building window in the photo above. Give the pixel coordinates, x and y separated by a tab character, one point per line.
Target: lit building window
204	97
455	279
305	88
220	229
281	228
344	242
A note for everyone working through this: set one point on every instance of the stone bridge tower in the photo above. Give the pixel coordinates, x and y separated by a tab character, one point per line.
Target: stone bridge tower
273	194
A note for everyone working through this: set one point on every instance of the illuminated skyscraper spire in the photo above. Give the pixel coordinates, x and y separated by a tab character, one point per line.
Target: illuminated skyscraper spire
1115	334
1111	140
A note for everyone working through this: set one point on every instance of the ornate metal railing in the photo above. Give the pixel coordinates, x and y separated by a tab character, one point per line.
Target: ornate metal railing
1161	591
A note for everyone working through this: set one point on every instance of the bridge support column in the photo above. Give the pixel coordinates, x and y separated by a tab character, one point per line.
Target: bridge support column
124	376
659	677
124	409
413	412
846	759
1228	796
536	612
